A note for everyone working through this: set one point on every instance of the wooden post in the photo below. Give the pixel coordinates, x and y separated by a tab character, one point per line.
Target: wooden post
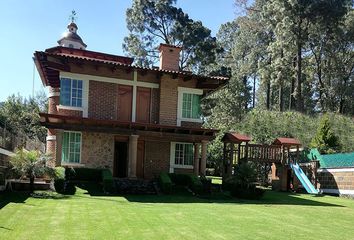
239	153
203	159
133	150
196	159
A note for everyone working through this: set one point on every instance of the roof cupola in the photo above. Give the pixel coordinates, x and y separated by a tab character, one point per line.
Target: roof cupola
70	38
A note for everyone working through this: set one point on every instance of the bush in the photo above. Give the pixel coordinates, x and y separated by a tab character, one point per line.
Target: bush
59	185
243	183
83	174
252	192
69	188
59	179
180	179
196	184
107	180
59	173
165	183
2	179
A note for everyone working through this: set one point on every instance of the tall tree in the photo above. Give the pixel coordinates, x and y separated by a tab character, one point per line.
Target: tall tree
151	22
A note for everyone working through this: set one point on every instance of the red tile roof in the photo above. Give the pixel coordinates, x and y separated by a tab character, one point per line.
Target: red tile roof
287	141
235	138
48	66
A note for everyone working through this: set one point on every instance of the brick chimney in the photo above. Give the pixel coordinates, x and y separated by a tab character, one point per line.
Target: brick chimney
169	57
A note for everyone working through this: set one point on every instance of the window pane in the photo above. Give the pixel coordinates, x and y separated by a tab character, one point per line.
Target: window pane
184	154
65	91
74	83
196	106
186	105
71	147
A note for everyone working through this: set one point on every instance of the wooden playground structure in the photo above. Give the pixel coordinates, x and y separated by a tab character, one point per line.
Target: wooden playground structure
278	156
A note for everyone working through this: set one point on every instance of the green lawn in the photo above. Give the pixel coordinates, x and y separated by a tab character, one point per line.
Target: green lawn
82	216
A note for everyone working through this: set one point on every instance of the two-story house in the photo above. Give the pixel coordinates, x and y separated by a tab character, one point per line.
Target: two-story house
106	113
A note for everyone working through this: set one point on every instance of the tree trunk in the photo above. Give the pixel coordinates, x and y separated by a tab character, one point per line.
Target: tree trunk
292	93
268	94
31	186
299	99
254	92
246	94
281	97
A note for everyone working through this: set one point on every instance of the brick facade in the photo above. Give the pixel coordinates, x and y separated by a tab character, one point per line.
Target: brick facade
168	100
329	179
157	158
69	112
103	100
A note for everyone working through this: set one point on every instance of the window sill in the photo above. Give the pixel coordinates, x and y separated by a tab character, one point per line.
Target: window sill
183	166
196	120
64	164
70	108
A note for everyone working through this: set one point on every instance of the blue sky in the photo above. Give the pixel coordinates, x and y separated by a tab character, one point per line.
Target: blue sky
28	26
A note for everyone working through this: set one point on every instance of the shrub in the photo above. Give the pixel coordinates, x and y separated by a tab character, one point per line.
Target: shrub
59	179
107	180
180	179
59	185
243	183
252	192
69	188
165	183
83	174
196	184
2	179
59	173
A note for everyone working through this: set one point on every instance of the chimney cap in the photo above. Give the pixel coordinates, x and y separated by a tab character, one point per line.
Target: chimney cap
168	45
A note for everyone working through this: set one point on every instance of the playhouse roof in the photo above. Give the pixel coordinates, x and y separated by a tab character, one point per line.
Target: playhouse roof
235	138
287	141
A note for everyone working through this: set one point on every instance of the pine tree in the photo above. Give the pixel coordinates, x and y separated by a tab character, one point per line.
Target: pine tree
325	140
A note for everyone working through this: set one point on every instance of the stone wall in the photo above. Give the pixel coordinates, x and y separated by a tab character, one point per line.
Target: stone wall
97	150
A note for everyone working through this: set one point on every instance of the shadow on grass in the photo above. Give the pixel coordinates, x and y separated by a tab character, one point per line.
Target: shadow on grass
12	197
181	195
270	198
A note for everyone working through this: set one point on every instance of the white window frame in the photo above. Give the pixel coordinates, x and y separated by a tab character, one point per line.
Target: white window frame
85	94
71	163
72	90
181	91
173	164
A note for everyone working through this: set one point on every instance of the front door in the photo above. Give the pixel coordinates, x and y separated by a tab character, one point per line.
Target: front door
120	168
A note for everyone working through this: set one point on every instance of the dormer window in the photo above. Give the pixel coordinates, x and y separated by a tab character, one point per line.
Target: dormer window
71	45
71	92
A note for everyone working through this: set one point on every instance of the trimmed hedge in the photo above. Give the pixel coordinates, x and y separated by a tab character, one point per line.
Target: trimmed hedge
180	179
165	183
59	180
83	174
107	180
190	180
251	193
195	184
